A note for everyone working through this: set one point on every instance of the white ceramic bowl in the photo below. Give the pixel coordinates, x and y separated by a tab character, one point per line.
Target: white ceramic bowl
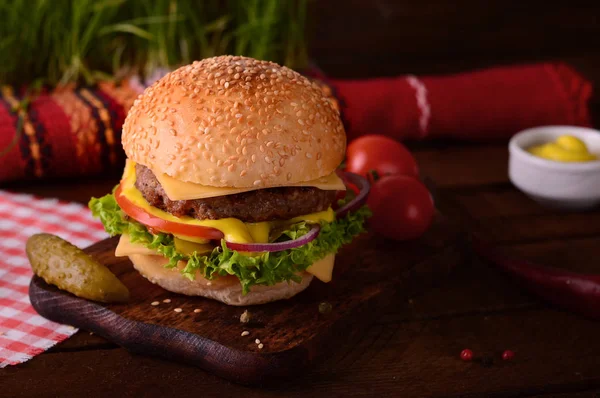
574	186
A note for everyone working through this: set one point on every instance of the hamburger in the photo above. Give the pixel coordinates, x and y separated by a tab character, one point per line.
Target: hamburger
230	188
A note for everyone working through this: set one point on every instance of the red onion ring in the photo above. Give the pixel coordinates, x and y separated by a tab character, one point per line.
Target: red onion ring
363	191
278	246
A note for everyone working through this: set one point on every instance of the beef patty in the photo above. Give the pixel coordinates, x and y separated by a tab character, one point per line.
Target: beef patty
254	206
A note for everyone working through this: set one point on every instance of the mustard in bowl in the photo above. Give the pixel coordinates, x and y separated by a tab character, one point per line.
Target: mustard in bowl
556	170
566	148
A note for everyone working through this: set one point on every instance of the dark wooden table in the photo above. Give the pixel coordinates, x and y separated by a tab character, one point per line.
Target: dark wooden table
413	349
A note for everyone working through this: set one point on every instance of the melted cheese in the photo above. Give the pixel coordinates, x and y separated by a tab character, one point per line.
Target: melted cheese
188	248
180	190
234	230
126	248
323	269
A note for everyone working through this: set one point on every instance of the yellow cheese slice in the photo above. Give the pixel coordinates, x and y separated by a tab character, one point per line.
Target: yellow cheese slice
234	230
323	269
180	190
126	248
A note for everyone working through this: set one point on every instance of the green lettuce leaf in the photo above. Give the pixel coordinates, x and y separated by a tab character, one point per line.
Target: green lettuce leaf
265	269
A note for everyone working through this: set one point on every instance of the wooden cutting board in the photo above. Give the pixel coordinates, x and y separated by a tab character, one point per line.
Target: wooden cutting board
369	274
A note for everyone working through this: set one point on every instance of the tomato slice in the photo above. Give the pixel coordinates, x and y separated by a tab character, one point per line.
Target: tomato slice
142	216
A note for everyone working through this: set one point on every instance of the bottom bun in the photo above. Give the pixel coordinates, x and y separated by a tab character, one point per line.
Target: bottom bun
227	289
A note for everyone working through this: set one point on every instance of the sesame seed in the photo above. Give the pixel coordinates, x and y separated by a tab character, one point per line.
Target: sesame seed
208	283
154	303
238	115
245	333
257	341
167	301
260	346
256	183
243	173
197	310
308	155
178	310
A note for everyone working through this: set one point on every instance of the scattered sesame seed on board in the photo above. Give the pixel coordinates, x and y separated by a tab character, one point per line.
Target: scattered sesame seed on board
155	303
177	310
197	310
245	317
167	301
244	333
257	341
260	346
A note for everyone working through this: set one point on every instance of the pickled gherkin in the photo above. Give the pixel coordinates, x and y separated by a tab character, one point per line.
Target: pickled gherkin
66	266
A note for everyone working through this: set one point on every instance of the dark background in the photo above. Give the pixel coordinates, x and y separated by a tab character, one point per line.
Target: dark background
358	38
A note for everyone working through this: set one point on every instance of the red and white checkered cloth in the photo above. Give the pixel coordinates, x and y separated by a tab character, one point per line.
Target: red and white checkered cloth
23	333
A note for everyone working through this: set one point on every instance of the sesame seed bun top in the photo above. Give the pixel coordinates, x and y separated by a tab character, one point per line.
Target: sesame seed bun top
235	122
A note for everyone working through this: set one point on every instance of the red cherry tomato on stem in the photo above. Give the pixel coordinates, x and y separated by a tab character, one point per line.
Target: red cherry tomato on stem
380	154
402	207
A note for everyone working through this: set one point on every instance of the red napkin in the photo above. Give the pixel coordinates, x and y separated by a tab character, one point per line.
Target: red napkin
477	106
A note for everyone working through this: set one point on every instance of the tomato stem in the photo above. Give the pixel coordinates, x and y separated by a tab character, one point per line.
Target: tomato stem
373	175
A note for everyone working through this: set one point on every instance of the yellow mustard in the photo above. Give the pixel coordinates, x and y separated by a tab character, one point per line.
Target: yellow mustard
566	148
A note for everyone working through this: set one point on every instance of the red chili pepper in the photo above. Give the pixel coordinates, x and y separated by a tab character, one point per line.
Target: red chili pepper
579	293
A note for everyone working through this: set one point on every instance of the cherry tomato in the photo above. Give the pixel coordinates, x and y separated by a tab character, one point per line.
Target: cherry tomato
402	207
381	154
156	223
